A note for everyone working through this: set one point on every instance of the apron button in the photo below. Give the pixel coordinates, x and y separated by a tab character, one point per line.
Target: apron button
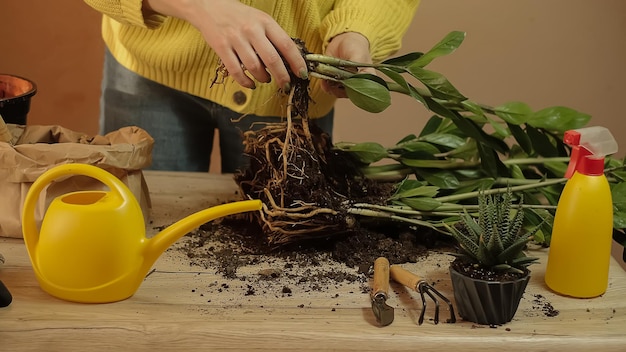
239	97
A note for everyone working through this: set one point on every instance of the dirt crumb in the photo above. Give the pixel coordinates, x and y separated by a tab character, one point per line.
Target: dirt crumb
541	303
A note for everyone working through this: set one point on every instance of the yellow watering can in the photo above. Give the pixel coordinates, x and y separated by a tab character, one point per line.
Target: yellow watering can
92	246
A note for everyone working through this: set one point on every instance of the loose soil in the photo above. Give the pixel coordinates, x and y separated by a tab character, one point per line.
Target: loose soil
232	242
234	248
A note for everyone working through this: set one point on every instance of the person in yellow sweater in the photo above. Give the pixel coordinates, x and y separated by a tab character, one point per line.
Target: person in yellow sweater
162	56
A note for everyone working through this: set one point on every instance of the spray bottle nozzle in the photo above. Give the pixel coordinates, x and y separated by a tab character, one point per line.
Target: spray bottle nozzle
589	147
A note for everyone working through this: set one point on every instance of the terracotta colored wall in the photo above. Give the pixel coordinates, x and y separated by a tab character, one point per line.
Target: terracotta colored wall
56	44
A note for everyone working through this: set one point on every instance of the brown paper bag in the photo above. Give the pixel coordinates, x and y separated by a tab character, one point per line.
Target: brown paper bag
36	149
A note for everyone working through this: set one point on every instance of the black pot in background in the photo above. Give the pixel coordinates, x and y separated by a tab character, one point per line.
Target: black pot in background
487	302
15	95
5	296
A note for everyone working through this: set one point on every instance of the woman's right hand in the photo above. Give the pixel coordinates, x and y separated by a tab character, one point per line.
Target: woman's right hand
244	38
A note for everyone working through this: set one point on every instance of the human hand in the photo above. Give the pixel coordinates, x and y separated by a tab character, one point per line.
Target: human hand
350	46
244	38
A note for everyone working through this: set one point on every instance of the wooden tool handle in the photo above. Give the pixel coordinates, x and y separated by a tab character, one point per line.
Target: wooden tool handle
381	277
404	277
5	134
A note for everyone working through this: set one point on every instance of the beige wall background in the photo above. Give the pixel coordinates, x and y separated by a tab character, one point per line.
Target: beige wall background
557	52
542	52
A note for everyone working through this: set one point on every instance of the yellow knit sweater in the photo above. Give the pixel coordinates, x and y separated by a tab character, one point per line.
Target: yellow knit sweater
172	52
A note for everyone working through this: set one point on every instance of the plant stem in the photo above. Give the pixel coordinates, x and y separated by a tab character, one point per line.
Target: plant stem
457	197
386	215
333	61
530	161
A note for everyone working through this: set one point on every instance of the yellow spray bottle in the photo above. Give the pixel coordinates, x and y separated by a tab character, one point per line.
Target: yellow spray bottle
580	249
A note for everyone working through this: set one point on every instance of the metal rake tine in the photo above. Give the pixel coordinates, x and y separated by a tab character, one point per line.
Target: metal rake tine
421	318
426	288
431	290
415	282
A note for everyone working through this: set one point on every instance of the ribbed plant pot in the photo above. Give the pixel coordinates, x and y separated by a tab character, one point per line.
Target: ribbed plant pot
487	302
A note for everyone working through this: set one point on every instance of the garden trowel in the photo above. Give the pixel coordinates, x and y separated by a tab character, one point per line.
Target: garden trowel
382	311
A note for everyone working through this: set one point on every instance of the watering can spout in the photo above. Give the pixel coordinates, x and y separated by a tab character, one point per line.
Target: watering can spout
168	236
91	246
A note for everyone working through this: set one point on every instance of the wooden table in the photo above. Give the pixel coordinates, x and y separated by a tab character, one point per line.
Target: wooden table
179	308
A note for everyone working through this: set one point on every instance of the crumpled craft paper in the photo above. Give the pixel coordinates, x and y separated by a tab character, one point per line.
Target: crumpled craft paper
36	149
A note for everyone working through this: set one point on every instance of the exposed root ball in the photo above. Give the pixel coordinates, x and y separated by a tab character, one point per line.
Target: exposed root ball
306	186
306	189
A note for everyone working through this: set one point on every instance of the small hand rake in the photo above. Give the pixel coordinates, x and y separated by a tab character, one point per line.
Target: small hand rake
412	281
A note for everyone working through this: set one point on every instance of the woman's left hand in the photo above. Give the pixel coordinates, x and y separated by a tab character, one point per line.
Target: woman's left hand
350	46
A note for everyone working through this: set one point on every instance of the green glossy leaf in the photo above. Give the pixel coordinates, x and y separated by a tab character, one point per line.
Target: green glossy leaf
403	60
541	220
422	203
421	191
368	92
437	84
445	139
407	88
418	146
432	125
516	172
557	168
522	138
500	130
407	138
619	220
515	113
620	175
468	151
558	118
468	127
542	144
551	194
618	195
475	184
474	173
441	179
368	152
446	46
426	163
408	184
490	161
611	162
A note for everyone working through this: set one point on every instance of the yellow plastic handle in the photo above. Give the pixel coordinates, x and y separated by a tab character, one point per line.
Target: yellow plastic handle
29	225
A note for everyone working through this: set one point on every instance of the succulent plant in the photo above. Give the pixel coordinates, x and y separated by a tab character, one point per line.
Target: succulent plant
497	239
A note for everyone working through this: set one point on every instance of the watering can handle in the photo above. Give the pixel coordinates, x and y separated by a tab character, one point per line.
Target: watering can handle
29	225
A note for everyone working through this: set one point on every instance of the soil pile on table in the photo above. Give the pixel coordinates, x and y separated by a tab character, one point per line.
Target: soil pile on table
248	266
233	242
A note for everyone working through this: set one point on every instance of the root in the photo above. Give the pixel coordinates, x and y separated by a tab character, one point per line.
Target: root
306	186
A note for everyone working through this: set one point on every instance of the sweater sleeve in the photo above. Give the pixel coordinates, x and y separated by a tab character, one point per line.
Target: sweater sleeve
127	12
383	23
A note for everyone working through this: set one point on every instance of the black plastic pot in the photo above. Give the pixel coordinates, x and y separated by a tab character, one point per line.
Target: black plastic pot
5	296
487	302
15	95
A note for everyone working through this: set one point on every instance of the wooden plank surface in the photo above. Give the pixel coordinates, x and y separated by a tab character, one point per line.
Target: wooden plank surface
181	306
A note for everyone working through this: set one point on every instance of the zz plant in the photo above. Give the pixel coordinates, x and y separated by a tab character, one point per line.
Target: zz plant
465	148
